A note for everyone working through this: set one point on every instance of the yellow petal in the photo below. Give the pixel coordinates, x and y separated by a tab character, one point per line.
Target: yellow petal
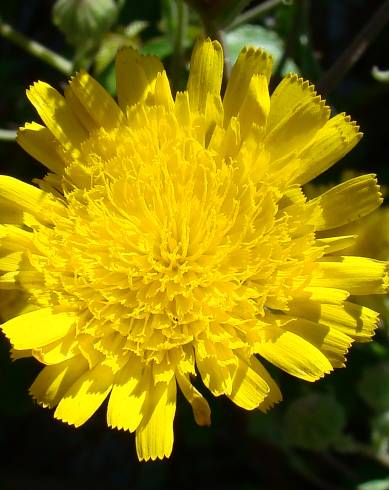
227	142
85	396
58	351
135	76
20	280
331	143
251	61
154	437
337	243
182	108
274	396
256	104
293	354
128	396
213	115
333	343
9	214
37	328
200	407
21	195
345	202
56	114
249	389
352	320
300	126
15	238
96	100
216	369
206	72
39	142
357	275
86	120
215	377
53	381
290	93
14	261
14	303
20	354
320	294
162	93
163	371
293	195
86	344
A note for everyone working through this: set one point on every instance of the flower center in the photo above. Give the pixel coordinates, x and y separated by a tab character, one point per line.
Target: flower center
166	242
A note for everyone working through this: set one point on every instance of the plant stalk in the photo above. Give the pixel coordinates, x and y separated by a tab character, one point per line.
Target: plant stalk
333	76
36	49
7	135
254	13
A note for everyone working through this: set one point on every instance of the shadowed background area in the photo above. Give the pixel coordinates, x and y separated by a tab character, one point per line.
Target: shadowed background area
330	435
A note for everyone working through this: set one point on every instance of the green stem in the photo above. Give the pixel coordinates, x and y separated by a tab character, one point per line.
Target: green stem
36	49
293	34
7	135
178	55
254	13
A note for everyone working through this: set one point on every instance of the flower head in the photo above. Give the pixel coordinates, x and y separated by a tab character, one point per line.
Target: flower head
171	238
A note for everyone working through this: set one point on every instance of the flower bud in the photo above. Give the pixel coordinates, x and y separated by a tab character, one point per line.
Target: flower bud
84	21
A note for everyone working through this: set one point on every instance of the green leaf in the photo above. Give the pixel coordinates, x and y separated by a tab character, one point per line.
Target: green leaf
259	37
314	422
158	46
375	485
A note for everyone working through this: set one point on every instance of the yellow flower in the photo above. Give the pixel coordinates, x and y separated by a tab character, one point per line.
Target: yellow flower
171	238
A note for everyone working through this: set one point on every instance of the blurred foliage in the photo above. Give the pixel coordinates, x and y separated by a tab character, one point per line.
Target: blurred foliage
314	421
375	394
258	36
332	435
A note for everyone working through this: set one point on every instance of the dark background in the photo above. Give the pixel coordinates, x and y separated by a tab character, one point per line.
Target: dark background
247	451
